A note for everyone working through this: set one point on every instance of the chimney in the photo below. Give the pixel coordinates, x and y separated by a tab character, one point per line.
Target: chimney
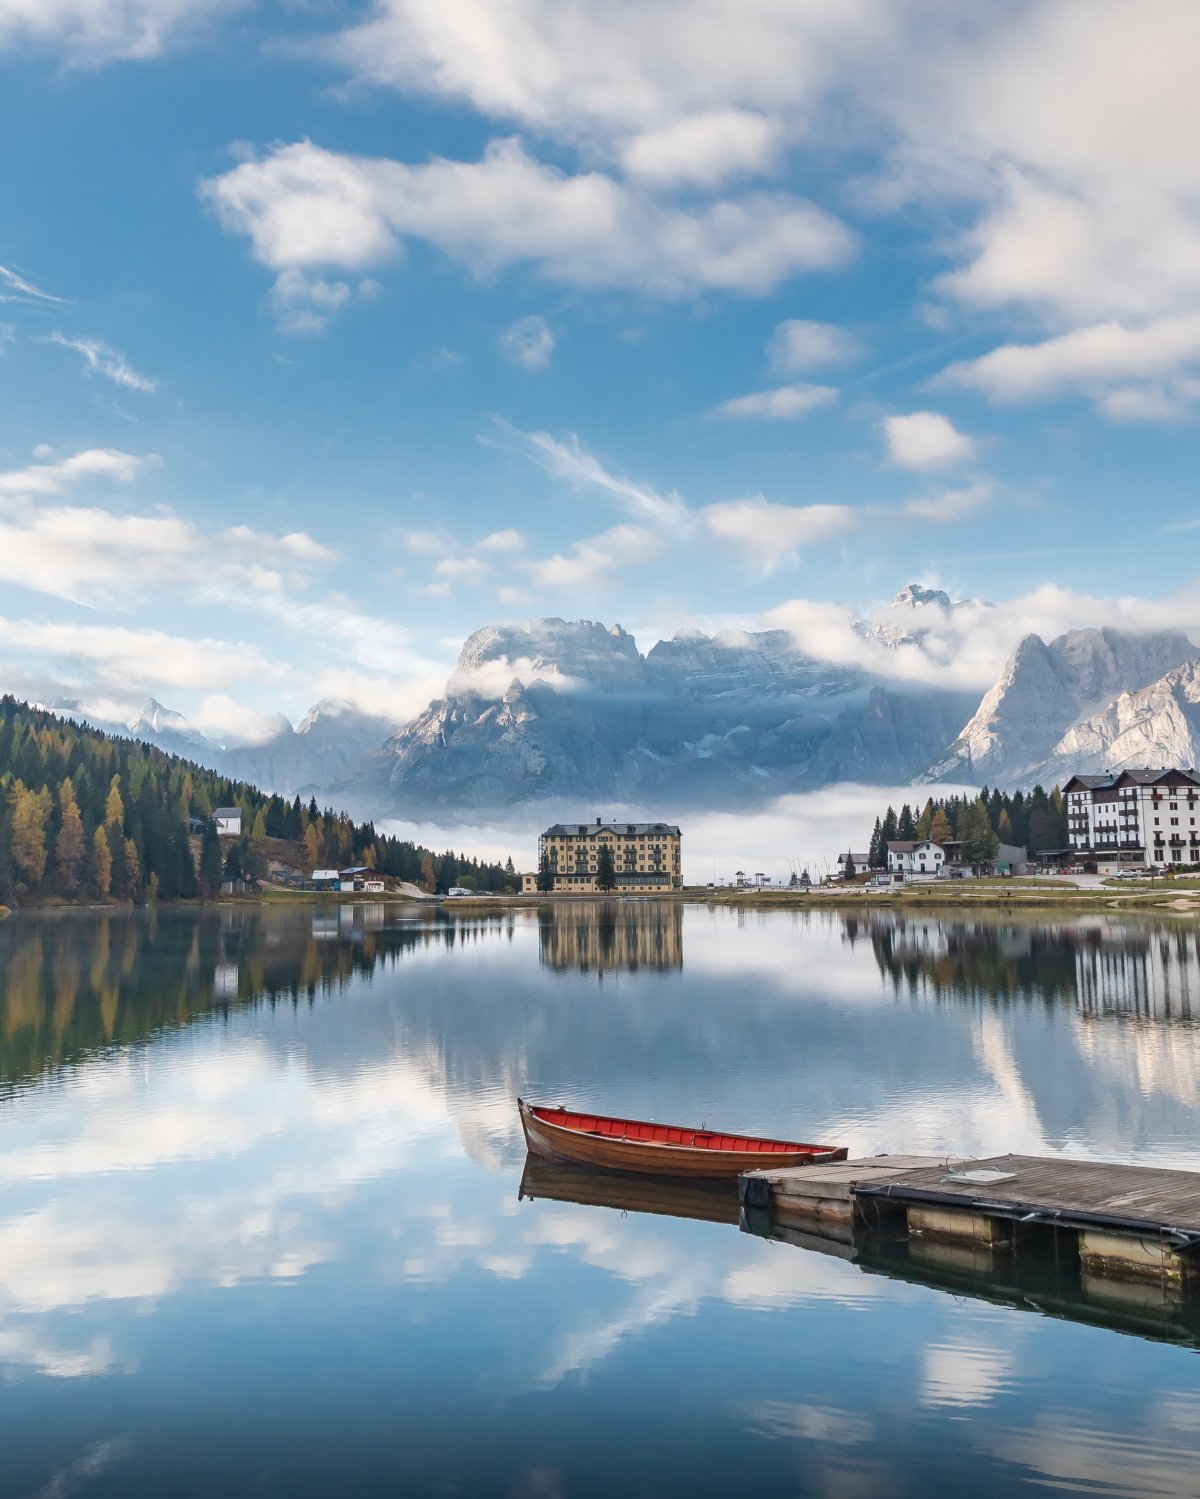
597	822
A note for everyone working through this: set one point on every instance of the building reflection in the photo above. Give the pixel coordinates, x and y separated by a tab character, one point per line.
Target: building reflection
1151	972
614	935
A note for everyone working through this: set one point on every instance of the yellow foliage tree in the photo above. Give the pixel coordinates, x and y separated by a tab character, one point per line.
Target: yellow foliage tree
29	816
114	807
70	847
101	864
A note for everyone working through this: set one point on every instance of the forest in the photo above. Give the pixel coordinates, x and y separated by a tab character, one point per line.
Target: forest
981	824
88	817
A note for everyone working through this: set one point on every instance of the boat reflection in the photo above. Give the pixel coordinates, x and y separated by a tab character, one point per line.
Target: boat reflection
710	1202
1040	1280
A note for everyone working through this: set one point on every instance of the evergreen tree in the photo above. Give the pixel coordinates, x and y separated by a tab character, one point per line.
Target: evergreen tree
545	875
848	869
876	853
210	858
606	874
978	840
925	821
906	828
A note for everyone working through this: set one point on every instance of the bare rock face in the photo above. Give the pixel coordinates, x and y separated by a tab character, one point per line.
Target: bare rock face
570	710
1158	725
1044	692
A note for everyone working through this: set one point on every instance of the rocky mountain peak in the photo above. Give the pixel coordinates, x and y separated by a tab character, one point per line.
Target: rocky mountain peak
916	596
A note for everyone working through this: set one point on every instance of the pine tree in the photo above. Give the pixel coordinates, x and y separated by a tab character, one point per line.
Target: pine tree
210	858
906	828
925	821
848	869
133	872
545	875
876	853
606	874
259	829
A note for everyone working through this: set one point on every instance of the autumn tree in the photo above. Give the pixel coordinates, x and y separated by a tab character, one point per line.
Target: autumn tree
101	865
70	847
28	833
939	827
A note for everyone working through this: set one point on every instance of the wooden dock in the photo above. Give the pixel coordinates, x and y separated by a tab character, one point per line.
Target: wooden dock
1125	1221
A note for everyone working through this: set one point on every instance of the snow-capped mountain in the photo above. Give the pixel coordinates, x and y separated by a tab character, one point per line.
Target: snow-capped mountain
1054	705
559	709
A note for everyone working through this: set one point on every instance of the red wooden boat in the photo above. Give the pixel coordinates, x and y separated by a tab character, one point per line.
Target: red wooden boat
658	1149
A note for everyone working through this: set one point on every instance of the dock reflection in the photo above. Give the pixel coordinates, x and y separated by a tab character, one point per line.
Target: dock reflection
1039	1281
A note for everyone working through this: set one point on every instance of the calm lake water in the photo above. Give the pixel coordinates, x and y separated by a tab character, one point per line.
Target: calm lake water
260	1230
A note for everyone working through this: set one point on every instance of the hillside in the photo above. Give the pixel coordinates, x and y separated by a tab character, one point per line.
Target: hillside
85	816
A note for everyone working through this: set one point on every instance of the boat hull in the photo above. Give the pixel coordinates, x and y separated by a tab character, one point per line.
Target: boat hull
651	1158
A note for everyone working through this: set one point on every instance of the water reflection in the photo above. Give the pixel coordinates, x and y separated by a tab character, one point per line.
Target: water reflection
1103	968
258	1175
602	936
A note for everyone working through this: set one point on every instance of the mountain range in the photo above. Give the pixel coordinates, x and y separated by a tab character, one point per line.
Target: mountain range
572	713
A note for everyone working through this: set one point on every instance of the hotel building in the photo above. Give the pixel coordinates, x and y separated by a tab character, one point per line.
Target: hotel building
646	856
1133	818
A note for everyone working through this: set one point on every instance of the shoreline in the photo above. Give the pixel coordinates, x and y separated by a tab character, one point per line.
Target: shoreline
1176	898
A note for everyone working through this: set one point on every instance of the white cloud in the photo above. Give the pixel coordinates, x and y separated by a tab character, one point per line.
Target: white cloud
702	149
951	505
528	342
1087	359
968	645
462	567
52	477
570	461
124	657
798	344
1074	216
786	403
13	286
503	541
89	32
774	532
589	564
99	359
305	208
925	440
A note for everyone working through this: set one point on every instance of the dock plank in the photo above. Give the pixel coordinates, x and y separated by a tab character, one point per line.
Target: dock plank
1156	1197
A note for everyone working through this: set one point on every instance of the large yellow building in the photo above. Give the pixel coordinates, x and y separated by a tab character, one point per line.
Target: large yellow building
646	856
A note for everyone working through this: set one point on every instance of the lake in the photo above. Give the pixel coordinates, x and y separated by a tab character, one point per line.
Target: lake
261	1229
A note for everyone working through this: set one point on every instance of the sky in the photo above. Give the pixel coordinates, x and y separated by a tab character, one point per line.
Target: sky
330	333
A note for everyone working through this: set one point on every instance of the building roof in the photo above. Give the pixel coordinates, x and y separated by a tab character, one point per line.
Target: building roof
901	845
857	858
227	812
357	869
584	829
1135	775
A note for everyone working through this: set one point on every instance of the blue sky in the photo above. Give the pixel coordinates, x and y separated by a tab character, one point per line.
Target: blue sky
329	333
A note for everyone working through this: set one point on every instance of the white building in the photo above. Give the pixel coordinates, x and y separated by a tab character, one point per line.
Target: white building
919	856
862	863
1136	817
228	821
